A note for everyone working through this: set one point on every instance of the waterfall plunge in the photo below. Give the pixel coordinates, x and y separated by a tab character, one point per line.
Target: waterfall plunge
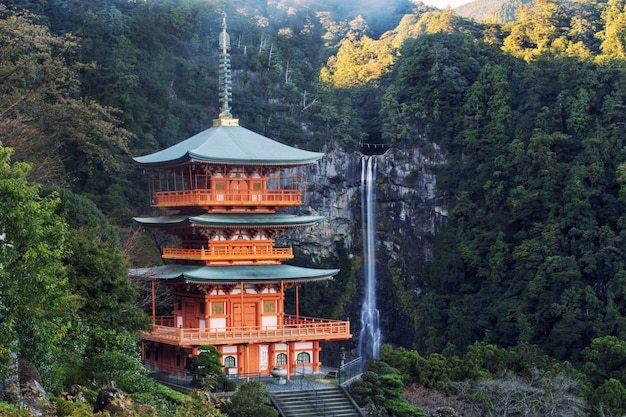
369	339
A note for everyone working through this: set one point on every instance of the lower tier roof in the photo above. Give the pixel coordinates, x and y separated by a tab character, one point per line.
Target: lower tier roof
200	274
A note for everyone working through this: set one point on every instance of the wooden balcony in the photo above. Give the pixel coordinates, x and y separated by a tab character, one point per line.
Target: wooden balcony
293	329
217	199
232	253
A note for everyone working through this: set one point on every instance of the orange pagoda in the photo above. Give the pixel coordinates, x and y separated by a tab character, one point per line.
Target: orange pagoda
222	189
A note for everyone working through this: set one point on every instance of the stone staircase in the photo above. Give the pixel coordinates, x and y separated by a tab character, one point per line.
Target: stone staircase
324	402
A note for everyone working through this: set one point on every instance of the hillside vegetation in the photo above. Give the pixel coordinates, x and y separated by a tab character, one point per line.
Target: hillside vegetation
531	116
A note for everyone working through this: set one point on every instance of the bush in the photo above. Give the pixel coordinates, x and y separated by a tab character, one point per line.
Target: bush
67	408
250	401
398	407
7	410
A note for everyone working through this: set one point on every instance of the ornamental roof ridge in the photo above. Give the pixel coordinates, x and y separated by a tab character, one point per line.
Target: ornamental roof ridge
225	80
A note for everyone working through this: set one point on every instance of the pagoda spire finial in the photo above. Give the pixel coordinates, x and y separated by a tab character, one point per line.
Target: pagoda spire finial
225	82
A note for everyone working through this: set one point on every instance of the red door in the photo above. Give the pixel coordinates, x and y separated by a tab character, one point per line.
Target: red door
189	316
249	318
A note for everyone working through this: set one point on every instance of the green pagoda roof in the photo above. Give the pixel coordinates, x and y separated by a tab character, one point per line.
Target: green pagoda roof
233	274
230	144
229	221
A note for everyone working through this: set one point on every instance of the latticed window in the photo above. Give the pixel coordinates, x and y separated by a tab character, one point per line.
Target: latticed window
218	308
229	362
281	359
303	357
269	306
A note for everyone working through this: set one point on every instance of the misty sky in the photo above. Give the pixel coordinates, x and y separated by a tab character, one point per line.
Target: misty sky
442	4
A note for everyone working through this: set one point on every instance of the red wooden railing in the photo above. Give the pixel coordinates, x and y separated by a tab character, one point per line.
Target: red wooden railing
247	251
206	197
292	329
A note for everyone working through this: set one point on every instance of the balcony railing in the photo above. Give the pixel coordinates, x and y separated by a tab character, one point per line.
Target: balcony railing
217	198
231	254
292	329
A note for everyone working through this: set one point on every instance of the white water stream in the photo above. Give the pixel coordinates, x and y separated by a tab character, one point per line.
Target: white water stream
370	338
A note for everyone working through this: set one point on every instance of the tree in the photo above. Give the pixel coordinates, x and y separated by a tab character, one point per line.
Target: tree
36	307
611	396
606	358
537	30
208	365
613	36
47	122
98	273
113	357
359	60
543	395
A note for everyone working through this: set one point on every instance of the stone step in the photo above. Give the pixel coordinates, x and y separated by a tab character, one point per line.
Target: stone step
315	403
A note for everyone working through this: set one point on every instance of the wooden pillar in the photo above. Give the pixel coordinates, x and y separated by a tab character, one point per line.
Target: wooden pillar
271	353
247	354
241	360
291	358
241	298
281	306
297	305
192	185
153	305
316	357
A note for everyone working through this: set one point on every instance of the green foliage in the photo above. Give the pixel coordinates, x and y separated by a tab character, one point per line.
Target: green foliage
611	396
98	274
196	404
81	213
46	120
327	299
70	408
209	365
606	359
482	361
250	400
113	356
380	388
120	368
8	410
398	407
532	189
529	117
36	306
358	62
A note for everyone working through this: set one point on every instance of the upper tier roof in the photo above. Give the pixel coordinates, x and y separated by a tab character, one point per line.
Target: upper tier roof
233	274
243	220
234	145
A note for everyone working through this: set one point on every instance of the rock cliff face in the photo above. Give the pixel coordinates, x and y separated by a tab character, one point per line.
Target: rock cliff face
408	216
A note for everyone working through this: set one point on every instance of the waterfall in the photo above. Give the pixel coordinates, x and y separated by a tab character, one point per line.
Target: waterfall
369	339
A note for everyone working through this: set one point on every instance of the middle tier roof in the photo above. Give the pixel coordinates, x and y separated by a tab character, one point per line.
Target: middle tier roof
230	221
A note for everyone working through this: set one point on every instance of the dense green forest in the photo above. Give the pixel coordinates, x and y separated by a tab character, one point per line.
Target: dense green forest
526	291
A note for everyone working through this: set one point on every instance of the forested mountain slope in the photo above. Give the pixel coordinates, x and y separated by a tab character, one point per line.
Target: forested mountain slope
529	115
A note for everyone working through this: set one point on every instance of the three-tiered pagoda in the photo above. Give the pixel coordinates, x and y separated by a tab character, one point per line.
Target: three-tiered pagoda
224	187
